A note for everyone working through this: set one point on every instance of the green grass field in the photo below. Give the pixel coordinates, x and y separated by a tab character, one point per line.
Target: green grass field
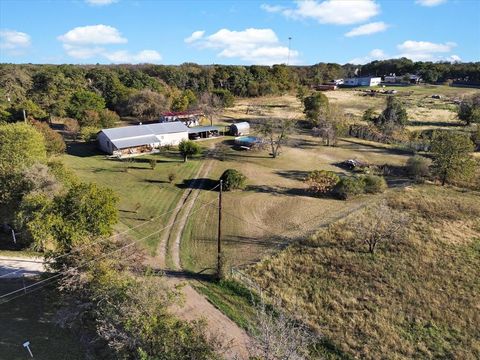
144	193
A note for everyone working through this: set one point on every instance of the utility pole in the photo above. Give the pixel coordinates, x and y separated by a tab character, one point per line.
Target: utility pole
289	42
219	238
24	116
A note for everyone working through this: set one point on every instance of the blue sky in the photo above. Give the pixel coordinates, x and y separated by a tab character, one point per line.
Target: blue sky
237	32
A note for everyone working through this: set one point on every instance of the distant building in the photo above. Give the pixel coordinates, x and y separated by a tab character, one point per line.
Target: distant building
241	128
336	82
363	81
402	79
325	87
189	118
141	139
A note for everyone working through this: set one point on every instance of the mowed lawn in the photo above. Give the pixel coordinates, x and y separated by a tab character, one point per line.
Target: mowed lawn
275	208
144	193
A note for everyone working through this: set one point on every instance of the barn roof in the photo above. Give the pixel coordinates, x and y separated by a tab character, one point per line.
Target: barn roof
199	129
241	125
135	131
136	141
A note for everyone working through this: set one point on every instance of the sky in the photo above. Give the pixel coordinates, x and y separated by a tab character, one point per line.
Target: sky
237	32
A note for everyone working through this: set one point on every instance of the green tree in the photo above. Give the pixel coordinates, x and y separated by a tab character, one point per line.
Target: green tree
394	114
54	143
32	110
369	115
233	179
108	118
188	148
469	110
84	100
147	104
225	96
315	107
451	156
20	146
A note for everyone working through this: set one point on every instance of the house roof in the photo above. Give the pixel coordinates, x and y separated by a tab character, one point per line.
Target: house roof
127	132
137	141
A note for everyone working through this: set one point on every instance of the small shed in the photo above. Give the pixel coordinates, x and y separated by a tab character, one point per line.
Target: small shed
241	128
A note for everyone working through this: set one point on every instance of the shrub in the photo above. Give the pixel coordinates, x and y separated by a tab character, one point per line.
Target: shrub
233	179
153	163
349	187
374	184
321	181
418	167
172	177
88	133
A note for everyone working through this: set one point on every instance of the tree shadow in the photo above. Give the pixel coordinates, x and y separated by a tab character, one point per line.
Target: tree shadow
353	145
153	181
280	191
299	175
434	123
85	149
198	184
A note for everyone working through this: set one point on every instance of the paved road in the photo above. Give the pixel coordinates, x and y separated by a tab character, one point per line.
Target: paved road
17	267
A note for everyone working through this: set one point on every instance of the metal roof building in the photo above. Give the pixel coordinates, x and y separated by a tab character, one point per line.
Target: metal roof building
241	128
139	139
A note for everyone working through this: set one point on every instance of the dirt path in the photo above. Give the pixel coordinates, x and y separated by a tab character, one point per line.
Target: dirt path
195	306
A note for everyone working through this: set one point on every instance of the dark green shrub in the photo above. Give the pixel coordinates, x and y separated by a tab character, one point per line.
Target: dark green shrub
374	184
233	179
349	187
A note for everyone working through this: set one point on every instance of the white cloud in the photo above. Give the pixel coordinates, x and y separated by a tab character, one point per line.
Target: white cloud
256	46
92	34
338	12
272	8
82	52
415	51
196	35
100	2
430	3
87	42
14	42
125	57
375	54
367	29
424	50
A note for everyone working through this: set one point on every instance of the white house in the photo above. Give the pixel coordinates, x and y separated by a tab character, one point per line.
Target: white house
363	81
140	139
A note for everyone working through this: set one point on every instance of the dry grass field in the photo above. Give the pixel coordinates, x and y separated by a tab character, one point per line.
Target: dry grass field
416	299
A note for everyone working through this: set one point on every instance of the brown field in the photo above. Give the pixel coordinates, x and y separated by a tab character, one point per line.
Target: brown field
417	299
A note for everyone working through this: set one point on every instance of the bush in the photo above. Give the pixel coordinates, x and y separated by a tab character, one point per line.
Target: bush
188	148
418	167
374	184
349	187
172	177
88	133
321	181
233	179
53	140
153	164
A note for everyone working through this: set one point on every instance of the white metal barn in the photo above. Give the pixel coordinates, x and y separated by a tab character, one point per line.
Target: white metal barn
140	139
363	81
241	128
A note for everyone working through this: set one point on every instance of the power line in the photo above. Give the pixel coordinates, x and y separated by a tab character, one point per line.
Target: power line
108	238
101	257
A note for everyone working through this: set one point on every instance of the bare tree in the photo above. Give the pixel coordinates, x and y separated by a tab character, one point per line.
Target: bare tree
210	105
276	132
379	224
278	337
